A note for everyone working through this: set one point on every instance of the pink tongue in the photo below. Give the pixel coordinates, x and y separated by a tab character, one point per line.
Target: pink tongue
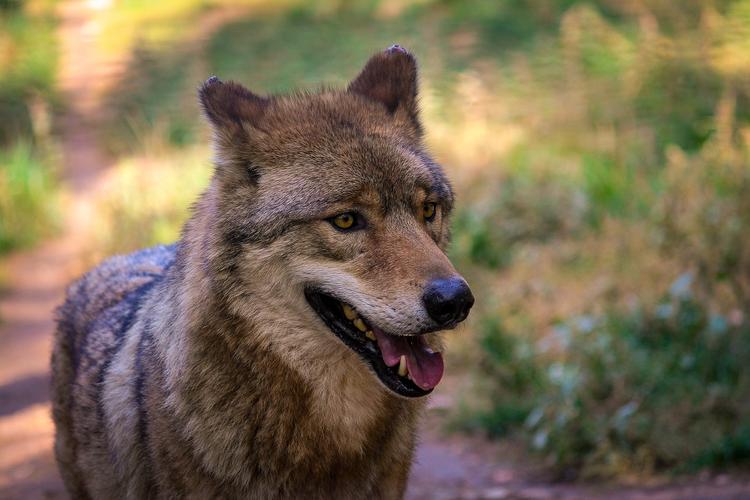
425	366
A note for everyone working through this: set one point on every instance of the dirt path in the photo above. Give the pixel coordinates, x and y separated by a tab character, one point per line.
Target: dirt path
447	467
36	279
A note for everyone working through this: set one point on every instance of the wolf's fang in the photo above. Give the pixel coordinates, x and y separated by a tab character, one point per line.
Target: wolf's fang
402	370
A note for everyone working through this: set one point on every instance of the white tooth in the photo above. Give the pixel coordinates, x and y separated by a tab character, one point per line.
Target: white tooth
402	371
370	335
350	313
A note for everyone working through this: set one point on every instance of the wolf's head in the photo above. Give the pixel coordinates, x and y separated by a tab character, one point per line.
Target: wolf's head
331	223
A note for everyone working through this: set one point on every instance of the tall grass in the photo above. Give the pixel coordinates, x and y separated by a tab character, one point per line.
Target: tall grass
28	64
147	199
620	347
29	202
29	207
625	391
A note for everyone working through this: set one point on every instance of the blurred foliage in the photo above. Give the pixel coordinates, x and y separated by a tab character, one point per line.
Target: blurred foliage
626	391
624	380
28	197
28	59
147	200
522	209
28	63
705	216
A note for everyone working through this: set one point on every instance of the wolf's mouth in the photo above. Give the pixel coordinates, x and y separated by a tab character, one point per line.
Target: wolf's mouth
404	364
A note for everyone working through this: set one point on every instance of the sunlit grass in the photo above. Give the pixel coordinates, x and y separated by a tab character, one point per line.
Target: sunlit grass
147	199
123	26
29	202
28	64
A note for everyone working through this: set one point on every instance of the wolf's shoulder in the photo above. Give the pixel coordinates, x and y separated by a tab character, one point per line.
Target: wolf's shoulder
115	280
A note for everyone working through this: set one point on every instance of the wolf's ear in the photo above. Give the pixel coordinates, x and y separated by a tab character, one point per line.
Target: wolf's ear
228	105
390	78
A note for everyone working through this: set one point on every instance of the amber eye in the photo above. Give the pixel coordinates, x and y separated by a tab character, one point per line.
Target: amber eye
428	211
347	220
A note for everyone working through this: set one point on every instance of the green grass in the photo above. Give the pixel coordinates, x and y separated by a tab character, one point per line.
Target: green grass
29	203
521	208
28	64
655	387
148	201
29	208
631	381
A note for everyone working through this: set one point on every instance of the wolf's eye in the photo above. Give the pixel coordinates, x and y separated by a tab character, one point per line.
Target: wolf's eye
428	211
346	221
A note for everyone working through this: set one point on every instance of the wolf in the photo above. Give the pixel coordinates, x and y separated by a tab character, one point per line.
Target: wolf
283	346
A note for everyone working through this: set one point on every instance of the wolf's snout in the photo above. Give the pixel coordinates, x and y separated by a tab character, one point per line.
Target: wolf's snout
448	301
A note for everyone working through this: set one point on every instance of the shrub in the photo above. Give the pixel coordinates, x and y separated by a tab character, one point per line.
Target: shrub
704	218
518	209
650	388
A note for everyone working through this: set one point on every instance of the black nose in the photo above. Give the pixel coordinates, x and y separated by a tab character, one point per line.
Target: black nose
448	300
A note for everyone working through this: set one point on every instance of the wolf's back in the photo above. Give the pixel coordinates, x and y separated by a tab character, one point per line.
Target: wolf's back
92	324
119	281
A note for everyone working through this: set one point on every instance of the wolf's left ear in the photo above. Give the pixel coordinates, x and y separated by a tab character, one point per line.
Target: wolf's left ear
390	78
229	105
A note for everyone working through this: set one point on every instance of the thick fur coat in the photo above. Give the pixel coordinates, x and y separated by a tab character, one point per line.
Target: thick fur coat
200	370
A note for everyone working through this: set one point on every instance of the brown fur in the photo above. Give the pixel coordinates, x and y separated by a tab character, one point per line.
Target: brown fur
199	370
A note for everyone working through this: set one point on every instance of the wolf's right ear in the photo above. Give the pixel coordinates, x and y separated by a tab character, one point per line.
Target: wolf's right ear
390	78
229	105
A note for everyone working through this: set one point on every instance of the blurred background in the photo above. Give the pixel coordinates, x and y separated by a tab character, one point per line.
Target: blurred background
600	151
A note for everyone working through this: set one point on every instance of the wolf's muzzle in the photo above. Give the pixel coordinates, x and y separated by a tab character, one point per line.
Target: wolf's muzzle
448	301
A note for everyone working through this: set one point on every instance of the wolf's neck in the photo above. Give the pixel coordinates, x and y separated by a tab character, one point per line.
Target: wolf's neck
228	376
243	410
